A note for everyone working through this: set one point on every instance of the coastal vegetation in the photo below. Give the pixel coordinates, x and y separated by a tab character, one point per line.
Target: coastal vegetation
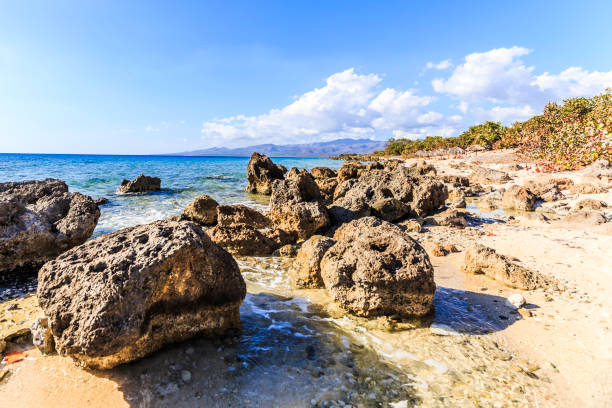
565	136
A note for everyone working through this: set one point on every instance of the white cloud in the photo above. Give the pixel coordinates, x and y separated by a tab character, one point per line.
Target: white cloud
495	75
442	65
504	114
349	105
574	81
500	77
151	129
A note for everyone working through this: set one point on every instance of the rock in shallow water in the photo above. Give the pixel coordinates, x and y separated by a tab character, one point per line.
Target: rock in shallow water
376	269
202	210
141	184
261	173
41	219
306	269
124	295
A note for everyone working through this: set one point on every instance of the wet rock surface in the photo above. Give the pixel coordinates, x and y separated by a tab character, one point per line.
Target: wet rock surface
124	295
306	269
41	219
141	184
261	173
376	269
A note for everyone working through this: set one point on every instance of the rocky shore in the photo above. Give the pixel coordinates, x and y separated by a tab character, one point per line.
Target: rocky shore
480	250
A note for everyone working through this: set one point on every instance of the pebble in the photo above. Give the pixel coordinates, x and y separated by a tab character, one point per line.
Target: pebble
186	375
515	301
443	330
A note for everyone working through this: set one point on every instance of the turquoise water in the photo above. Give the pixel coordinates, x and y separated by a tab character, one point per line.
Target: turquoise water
183	180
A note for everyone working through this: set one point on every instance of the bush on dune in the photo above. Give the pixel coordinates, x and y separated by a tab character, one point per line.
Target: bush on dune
566	136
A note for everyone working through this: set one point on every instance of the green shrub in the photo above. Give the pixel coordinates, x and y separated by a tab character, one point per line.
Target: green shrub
567	136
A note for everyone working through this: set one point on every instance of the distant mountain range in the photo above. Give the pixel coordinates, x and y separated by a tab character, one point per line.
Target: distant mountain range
320	149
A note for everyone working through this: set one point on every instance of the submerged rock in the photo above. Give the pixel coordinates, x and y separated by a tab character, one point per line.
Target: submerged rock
306	269
376	269
518	198
202	210
241	214
482	259
41	219
261	173
141	184
124	295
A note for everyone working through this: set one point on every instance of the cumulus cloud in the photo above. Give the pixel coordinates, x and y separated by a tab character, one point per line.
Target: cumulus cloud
500	77
497	75
348	105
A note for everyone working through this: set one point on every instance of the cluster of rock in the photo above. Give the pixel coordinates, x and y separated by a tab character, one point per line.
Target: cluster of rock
41	219
371	266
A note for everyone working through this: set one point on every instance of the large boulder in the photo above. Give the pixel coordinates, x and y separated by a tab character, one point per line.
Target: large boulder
322	173
241	214
545	189
518	198
485	175
141	184
261	172
241	239
306	269
420	194
202	210
390	209
327	187
124	295
349	170
41	219
375	269
480	259
296	206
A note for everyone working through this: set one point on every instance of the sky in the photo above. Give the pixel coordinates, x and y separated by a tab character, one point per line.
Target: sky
136	77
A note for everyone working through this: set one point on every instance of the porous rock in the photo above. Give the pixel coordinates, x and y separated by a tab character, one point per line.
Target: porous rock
41	219
306	269
126	294
141	184
202	210
481	259
241	214
375	269
296	206
518	198
261	173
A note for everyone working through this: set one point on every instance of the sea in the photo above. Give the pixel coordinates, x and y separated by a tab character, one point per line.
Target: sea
183	180
295	348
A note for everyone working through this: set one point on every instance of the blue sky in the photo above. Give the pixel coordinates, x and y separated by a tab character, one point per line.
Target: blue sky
157	77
